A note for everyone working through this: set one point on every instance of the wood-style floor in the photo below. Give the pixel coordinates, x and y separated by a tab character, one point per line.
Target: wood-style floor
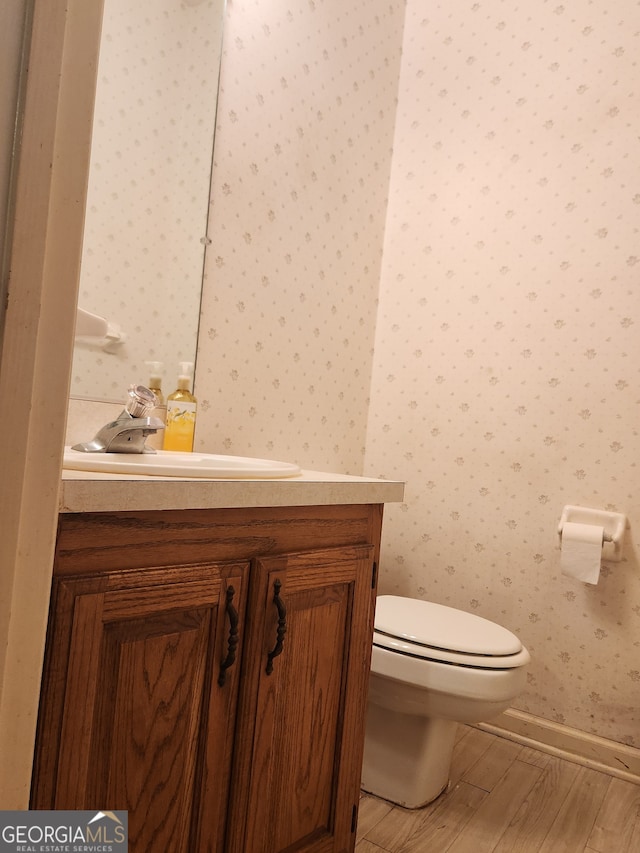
508	798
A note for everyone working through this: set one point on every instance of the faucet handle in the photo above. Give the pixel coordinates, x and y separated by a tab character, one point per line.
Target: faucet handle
141	401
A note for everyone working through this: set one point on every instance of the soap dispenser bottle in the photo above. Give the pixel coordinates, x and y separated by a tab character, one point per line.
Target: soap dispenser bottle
181	412
155	384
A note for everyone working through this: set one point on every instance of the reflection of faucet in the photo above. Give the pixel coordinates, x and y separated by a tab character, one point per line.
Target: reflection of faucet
127	434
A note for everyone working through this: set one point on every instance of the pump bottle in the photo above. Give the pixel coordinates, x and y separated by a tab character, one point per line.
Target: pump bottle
181	412
155	384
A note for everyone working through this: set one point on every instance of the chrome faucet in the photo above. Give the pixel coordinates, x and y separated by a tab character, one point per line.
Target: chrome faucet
128	433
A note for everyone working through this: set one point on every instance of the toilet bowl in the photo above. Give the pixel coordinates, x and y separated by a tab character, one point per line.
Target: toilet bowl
432	667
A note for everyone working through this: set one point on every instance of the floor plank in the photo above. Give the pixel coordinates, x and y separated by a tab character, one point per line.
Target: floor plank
415	829
445	822
617	825
370	812
534	756
534	818
468	751
572	826
483	831
488	772
365	846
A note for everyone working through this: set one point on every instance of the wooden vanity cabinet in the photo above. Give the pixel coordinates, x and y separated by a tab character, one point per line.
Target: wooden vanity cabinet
207	671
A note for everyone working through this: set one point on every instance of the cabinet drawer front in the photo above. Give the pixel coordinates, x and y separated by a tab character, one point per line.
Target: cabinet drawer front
131	695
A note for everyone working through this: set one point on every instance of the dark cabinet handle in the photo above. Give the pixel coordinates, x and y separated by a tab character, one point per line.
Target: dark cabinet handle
282	627
232	642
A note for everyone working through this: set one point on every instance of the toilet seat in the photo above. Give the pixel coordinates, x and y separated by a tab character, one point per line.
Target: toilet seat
424	629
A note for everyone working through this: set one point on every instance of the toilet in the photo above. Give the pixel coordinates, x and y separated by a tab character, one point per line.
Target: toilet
432	667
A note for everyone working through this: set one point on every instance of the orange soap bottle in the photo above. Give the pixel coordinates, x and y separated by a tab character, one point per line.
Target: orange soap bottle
181	412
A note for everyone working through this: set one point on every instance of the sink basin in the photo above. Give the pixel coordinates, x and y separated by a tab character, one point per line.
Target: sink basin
172	463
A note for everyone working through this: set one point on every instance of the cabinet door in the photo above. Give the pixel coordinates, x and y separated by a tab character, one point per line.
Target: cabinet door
134	712
299	739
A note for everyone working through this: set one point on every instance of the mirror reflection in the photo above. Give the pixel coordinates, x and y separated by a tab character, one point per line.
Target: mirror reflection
148	194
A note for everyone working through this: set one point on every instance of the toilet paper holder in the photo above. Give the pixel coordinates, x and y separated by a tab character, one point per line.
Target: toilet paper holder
612	523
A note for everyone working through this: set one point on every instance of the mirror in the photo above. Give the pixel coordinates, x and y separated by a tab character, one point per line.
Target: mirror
148	194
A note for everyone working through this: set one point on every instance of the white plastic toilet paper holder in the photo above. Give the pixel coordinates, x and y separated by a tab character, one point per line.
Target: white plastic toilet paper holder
612	523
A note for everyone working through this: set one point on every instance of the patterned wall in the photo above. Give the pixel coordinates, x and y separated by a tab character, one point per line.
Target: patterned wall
302	158
507	357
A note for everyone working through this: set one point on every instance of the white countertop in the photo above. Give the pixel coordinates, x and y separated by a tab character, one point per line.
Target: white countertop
83	491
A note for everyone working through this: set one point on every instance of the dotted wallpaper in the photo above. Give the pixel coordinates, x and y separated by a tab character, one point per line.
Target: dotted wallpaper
148	188
302	157
507	357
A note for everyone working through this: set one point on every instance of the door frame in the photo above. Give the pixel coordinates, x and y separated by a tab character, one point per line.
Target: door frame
52	166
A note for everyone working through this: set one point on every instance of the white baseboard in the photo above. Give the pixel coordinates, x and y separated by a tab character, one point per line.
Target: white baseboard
608	756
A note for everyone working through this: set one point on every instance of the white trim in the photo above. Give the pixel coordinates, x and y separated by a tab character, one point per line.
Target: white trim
608	756
35	361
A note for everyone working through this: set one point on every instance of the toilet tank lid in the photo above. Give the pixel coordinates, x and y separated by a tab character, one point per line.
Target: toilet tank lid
429	624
